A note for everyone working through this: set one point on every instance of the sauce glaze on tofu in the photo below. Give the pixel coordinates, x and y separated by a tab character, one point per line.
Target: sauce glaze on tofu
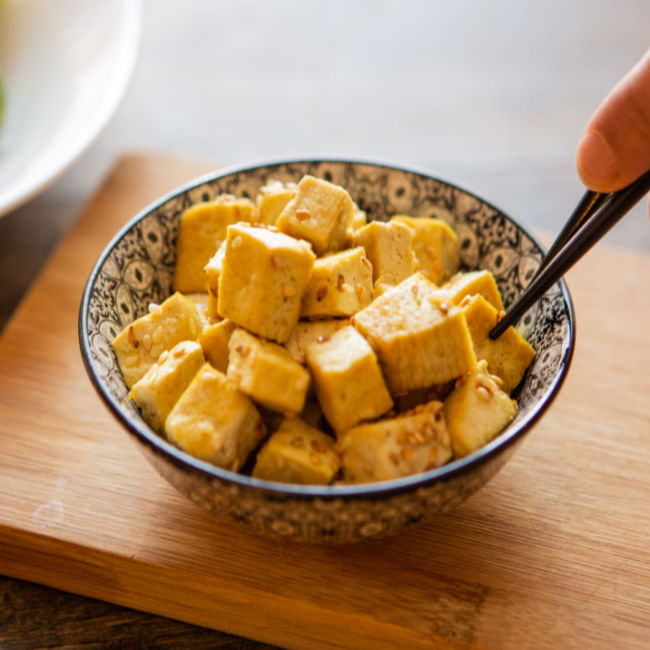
307	343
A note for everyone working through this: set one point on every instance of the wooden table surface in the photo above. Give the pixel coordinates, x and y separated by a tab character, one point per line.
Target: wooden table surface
524	81
556	544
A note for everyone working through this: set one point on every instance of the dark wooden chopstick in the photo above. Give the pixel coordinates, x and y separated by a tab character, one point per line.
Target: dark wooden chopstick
589	203
584	229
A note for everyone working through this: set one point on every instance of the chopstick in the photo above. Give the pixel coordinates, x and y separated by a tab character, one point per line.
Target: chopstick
594	216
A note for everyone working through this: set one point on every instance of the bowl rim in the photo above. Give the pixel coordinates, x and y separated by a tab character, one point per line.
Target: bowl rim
160	445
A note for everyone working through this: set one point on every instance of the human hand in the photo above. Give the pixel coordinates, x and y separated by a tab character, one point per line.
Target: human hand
615	147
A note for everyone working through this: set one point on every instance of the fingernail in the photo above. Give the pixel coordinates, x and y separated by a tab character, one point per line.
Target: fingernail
596	161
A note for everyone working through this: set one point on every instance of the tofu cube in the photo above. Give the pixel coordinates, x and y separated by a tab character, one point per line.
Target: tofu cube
508	356
347	379
418	343
298	453
388	247
201	231
262	279
340	285
476	411
140	344
359	218
267	372
212	272
272	199
307	332
200	300
214	341
214	421
161	386
469	284
391	448
321	213
435	245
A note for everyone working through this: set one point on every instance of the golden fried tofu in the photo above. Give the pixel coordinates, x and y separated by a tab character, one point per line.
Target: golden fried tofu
262	280
212	271
347	379
297	453
435	245
359	218
200	299
267	372
214	421
476	411
394	447
340	285
388	247
307	332
140	344
469	284
214	341
272	199
201	231
418	343
508	356
159	389
321	213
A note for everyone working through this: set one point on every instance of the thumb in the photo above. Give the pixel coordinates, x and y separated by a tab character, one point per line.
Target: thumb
615	147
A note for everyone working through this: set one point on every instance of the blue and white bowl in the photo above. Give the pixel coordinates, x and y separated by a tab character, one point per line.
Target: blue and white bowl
136	267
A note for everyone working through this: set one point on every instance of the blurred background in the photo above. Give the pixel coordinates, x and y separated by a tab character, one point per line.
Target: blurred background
492	95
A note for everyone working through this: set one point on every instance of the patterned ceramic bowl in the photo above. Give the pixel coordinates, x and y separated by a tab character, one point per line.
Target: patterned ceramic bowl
135	269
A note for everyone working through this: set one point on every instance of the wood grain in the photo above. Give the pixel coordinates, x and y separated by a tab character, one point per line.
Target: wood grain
554	551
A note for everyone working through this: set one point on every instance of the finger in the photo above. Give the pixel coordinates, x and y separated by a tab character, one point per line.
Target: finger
615	147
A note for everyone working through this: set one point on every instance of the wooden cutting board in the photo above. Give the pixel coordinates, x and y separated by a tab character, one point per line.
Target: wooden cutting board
554	552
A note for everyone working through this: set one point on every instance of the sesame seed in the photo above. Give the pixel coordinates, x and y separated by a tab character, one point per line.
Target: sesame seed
237	241
483	393
341	282
321	293
431	252
319	446
302	214
155	308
